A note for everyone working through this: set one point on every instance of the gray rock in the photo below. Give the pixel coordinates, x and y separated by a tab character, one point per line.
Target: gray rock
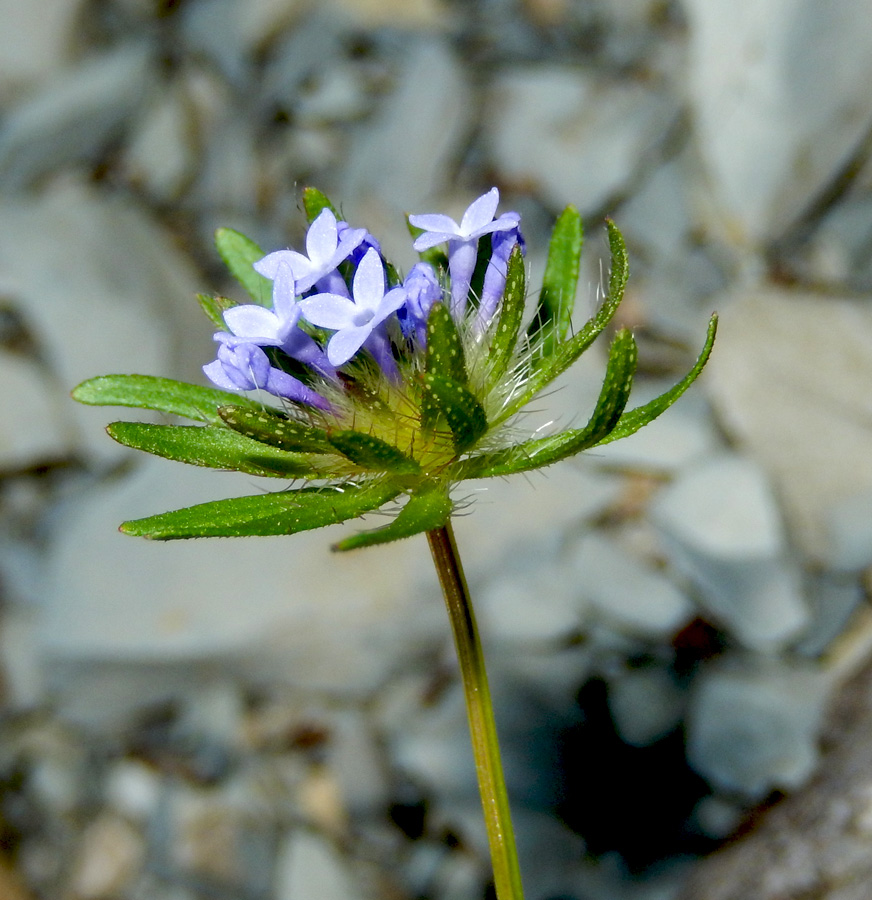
72	118
103	290
753	728
35	42
646	704
402	156
271	608
806	424
779	101
309	868
573	137
721	527
628	593
33	424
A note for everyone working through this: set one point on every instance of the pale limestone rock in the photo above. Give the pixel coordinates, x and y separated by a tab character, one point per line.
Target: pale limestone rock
780	100
721	528
789	380
104	290
71	118
35	41
572	137
34	429
309	868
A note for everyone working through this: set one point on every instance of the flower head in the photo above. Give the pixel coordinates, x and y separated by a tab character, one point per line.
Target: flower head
387	393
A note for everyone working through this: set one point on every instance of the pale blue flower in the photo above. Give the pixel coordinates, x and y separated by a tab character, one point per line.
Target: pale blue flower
422	291
245	367
354	320
325	247
462	239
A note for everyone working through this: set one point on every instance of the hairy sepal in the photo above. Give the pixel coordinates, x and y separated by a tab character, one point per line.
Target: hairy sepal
546	451
546	369
372	453
275	430
634	419
458	405
315	202
424	511
508	323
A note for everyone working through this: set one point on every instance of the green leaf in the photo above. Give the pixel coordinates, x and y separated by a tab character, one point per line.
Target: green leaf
424	511
465	415
567	352
215	307
286	512
212	446
559	283
372	453
444	348
636	418
508	324
239	254
161	394
274	429
546	451
315	202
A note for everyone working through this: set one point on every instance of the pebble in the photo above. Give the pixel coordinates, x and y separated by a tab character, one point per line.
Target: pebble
309	868
573	137
809	428
111	853
778	99
722	529
629	594
73	119
403	159
191	601
35	43
646	704
752	728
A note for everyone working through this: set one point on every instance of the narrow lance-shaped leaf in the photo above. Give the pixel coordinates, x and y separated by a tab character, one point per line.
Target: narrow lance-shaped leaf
315	202
546	451
215	307
424	511
285	512
559	283
239	254
277	431
212	446
569	351
464	414
508	324
372	453
631	421
161	394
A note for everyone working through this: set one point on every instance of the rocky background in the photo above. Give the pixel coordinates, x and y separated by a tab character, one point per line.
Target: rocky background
666	620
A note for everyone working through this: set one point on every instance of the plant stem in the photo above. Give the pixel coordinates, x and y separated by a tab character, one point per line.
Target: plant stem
483	732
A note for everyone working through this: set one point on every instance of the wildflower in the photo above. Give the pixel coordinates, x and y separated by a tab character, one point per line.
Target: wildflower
406	398
355	320
245	367
477	221
325	248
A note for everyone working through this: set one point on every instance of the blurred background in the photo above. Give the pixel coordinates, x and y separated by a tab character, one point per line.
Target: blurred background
667	620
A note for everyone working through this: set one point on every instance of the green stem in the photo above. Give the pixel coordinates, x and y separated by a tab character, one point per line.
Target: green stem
483	732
